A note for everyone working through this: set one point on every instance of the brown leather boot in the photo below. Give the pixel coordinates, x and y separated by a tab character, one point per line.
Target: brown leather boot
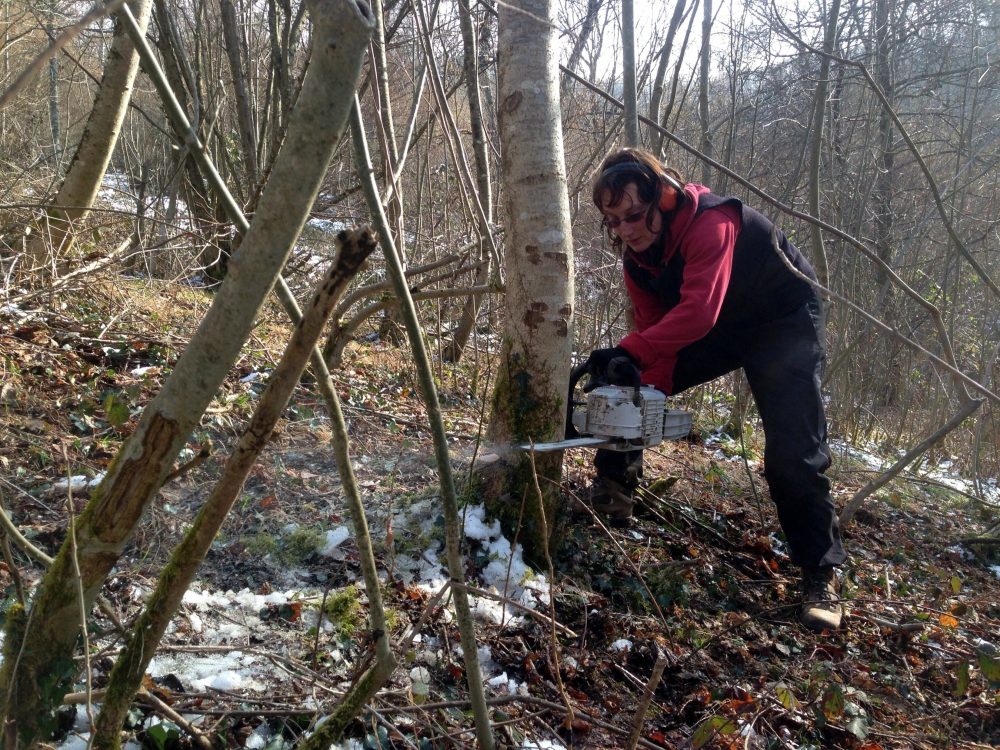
613	500
821	608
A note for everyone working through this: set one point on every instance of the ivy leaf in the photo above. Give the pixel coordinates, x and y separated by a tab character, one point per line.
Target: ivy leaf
833	702
163	736
858	726
990	667
709	728
961	680
786	696
116	411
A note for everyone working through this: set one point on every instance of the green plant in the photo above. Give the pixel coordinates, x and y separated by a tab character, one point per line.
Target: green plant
299	545
343	609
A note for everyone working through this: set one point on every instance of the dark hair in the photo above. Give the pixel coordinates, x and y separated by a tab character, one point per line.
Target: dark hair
632	165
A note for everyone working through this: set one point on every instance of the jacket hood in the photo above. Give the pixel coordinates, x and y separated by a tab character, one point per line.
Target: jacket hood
676	228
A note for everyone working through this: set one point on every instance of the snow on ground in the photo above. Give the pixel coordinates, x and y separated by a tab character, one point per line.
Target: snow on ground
943	473
230	618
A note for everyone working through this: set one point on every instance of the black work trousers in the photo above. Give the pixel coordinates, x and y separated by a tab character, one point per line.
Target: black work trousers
783	360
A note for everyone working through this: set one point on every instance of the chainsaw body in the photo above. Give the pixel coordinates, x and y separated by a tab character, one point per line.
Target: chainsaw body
620	418
628	418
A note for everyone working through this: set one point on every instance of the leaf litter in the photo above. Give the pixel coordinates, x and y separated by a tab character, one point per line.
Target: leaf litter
257	651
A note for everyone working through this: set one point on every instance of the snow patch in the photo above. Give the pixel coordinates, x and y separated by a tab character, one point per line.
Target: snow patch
334	538
78	483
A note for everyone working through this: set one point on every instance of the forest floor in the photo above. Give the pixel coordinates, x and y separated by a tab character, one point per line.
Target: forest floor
699	580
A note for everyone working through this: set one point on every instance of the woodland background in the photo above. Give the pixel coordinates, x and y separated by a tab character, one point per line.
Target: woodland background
869	130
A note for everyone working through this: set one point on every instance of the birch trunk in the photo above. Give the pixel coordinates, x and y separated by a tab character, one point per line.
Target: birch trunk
529	402
39	645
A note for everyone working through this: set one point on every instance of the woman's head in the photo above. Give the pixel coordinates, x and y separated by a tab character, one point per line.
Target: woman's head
632	191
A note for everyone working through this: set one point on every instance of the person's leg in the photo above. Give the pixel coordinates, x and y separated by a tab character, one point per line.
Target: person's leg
784	364
619	472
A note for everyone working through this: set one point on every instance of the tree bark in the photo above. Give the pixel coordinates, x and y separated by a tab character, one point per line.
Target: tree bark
480	149
628	75
529	400
244	116
703	91
656	98
38	648
816	147
93	154
130	667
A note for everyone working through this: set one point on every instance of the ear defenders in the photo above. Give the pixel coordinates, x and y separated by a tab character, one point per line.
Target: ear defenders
668	198
671	191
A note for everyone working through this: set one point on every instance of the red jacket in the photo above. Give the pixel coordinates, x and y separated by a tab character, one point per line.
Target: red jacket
706	243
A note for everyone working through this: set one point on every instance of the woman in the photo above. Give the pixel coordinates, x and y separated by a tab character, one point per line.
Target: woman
709	294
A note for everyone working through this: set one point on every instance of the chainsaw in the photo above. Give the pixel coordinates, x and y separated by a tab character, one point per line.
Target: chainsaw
617	417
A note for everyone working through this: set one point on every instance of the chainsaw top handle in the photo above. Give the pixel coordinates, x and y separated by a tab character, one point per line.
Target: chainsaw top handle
574	377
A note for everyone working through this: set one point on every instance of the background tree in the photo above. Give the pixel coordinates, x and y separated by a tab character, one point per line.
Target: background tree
39	643
54	237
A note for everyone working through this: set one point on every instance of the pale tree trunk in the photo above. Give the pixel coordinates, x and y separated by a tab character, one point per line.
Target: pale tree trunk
390	328
38	667
628	75
529	401
83	179
470	69
703	90
816	147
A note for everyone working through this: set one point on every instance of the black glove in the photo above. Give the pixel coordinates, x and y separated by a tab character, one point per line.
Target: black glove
613	366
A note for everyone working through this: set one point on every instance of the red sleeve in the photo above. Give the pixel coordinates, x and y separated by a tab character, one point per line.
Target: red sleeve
707	249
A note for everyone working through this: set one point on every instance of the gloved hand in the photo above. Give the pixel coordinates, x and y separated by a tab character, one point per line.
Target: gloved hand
613	366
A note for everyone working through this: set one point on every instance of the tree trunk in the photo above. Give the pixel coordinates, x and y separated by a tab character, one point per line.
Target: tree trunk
816	147
244	116
93	154
529	401
656	97
589	21
703	91
884	172
631	112
38	666
467	323
130	667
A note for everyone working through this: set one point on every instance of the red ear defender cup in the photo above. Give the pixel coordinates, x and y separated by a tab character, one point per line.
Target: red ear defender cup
668	198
